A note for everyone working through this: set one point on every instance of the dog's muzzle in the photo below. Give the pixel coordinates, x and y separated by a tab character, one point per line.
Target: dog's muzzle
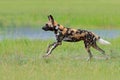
44	28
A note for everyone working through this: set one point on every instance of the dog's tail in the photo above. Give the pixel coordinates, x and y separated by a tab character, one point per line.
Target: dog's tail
102	41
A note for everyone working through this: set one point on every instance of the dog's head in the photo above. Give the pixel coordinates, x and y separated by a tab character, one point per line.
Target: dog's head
50	25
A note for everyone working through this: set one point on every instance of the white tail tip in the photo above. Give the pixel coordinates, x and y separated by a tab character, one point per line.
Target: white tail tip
102	41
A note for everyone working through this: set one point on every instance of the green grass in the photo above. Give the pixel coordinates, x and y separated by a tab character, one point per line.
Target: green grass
74	13
22	60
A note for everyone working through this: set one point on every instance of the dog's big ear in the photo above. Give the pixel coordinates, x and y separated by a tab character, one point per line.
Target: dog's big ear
50	18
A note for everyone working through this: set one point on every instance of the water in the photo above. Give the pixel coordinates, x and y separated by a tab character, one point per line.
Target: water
111	34
38	33
25	33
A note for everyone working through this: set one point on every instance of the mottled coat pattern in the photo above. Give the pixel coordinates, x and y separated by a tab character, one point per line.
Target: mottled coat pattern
71	35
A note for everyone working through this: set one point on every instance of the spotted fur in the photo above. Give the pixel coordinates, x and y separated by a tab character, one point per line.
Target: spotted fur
71	35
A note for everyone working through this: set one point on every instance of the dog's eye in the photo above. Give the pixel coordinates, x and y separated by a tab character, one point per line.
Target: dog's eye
46	24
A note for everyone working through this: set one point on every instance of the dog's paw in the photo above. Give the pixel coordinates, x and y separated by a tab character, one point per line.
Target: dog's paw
107	57
44	56
89	59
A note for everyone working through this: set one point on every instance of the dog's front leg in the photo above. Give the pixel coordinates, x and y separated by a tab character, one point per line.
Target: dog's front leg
51	47
48	48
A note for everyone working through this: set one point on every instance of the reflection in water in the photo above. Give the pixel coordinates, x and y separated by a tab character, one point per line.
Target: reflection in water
38	33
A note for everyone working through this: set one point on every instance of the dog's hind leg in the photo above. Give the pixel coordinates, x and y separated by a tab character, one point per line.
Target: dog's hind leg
89	53
87	47
53	46
95	46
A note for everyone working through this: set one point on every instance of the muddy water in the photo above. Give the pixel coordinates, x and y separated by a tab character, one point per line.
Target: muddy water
38	33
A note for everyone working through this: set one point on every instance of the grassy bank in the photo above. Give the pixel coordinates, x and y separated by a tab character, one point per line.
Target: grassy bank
76	13
22	60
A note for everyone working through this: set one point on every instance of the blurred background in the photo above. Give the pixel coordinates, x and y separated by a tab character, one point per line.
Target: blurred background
24	17
73	13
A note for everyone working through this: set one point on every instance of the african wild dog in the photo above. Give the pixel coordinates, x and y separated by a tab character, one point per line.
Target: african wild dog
72	35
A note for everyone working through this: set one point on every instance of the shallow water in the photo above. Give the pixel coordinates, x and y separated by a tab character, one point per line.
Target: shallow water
25	33
38	33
